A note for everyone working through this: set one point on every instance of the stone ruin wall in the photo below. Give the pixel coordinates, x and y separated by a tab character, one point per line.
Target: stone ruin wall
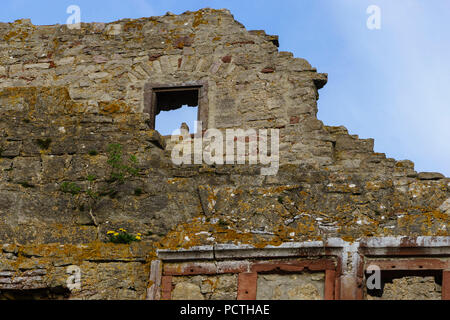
80	90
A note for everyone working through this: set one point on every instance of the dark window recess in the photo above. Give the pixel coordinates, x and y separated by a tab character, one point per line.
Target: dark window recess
171	100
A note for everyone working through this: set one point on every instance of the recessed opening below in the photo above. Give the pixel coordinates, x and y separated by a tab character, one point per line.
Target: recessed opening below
291	286
407	285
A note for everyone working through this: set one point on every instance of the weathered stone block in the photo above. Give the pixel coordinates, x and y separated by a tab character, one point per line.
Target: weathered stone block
26	170
430	176
290	287
37	66
10	149
3	71
445	207
187	291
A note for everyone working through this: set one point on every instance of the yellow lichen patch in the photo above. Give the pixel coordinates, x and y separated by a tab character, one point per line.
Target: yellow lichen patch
430	222
27	97
113	107
198	19
202	232
348	239
180	22
44	254
180	181
132	25
377	185
16	95
19	34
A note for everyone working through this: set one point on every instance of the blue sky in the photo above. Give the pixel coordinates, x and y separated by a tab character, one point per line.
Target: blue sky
391	84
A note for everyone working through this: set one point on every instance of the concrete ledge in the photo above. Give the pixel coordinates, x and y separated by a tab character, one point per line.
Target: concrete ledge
226	251
232	251
405	242
194	253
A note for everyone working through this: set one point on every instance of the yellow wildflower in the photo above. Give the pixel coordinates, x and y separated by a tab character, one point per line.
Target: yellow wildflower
138	238
110	232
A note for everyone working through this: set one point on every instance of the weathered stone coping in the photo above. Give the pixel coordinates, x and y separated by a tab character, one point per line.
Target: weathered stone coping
232	251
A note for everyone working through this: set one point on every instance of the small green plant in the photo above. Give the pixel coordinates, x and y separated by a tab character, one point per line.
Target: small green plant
70	187
93	153
26	120
280	199
120	168
122	236
138	192
44	144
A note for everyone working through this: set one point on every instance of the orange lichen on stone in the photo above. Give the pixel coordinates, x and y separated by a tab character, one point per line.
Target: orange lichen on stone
133	25
113	107
198	19
19	34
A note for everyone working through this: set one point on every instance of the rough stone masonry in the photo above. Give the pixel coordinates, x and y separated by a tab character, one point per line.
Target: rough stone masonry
65	95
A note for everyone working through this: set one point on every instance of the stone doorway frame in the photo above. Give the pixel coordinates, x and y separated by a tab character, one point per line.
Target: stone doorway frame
248	274
150	99
350	258
246	262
